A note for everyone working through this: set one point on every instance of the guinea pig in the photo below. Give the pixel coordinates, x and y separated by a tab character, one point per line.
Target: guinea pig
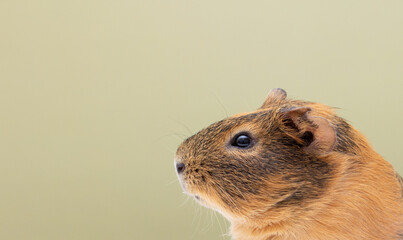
292	170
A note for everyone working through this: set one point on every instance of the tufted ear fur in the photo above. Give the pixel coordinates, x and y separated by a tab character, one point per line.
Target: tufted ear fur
314	133
275	95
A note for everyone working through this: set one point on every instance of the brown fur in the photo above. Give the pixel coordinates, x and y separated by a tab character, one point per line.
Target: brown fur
288	185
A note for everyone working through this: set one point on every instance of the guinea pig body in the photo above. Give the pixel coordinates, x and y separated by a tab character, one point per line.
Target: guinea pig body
292	170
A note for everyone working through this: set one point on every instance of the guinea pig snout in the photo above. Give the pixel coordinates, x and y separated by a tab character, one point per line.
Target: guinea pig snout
180	167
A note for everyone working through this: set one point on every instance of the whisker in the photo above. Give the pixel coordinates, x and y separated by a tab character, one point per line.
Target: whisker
219	102
178	135
199	213
184	202
219	224
183	125
243	196
172	182
228	197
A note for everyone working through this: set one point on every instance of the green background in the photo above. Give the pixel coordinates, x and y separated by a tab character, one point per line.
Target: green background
95	97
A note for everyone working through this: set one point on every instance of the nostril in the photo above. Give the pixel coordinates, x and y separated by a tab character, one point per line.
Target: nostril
180	167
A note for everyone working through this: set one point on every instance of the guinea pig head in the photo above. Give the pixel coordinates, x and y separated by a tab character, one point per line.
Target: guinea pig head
262	163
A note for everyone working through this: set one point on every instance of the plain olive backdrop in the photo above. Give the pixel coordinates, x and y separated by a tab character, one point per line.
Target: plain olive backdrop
96	95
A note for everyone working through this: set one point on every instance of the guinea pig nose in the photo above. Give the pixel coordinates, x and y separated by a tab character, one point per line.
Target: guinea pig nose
180	167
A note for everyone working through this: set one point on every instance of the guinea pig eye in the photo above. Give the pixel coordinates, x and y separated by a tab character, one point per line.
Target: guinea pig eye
242	141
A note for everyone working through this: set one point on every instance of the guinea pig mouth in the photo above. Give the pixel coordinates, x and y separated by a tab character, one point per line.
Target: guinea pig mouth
201	201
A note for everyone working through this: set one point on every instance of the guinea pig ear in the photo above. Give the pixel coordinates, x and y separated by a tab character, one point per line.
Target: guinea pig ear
275	95
314	133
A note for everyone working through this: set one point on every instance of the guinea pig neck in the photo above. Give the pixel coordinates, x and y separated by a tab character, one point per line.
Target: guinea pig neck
364	201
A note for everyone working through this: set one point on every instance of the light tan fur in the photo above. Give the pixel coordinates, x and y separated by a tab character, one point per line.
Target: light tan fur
360	198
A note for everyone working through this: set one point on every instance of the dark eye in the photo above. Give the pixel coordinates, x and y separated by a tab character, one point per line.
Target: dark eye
242	141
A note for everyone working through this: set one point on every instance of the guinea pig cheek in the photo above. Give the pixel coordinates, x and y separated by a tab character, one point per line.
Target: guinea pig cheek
204	193
204	196
194	182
